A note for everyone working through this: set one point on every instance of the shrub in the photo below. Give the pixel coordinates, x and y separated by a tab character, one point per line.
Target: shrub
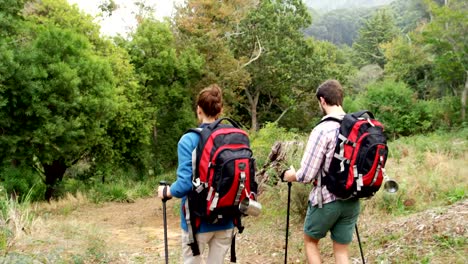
397	107
20	181
392	102
265	138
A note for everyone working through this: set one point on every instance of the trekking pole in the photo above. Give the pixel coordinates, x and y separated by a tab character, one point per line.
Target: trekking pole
164	200
287	217
360	247
287	223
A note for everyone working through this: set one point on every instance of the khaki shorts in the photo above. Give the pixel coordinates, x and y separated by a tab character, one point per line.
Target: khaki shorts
338	217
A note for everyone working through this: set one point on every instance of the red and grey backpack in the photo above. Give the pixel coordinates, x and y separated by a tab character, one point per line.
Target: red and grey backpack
357	167
223	175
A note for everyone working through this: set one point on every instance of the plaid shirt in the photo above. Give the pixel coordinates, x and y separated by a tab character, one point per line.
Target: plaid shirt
317	157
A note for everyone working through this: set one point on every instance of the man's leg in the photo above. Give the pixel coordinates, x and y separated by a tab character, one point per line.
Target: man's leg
312	250
316	225
342	231
341	252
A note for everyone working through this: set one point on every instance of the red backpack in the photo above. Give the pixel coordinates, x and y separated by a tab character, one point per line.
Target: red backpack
357	167
223	175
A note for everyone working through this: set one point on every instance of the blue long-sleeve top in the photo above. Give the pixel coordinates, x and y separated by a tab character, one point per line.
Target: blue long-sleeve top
183	185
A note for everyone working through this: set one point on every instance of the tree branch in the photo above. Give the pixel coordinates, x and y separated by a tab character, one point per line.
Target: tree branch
252	59
282	114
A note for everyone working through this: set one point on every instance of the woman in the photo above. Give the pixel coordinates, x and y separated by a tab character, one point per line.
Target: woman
216	236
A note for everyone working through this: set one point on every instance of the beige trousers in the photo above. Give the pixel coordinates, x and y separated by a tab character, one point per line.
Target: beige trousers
218	243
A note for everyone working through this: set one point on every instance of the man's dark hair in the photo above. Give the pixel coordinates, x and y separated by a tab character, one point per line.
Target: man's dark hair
332	92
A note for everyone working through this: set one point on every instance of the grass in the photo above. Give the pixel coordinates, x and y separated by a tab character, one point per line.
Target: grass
431	171
16	220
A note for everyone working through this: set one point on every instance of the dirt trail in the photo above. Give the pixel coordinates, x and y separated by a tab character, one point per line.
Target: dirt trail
134	228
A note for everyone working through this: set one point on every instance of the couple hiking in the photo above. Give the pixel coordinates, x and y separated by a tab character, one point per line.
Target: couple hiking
215	229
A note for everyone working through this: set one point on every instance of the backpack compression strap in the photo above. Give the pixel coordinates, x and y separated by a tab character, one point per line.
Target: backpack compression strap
189	218
322	171
193	243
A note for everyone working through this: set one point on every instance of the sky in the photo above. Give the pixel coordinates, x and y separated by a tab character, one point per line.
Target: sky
123	19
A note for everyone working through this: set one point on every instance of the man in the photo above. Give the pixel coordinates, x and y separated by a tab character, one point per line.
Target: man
325	212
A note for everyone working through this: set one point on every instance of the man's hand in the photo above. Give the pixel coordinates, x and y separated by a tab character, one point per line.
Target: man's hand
161	190
290	175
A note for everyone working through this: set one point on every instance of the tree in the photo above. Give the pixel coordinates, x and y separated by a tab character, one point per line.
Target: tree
208	25
377	30
446	36
409	62
270	46
409	14
338	26
60	99
284	67
167	77
61	87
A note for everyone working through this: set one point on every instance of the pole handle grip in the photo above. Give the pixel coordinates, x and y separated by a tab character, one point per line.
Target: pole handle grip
165	184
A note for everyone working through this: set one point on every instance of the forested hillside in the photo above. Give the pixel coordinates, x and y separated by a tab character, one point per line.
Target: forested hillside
80	111
325	6
341	25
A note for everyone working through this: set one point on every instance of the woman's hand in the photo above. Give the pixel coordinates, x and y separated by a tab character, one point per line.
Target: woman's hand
164	192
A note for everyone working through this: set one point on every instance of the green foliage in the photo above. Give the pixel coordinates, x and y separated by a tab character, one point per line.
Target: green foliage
63	15
280	62
10	18
446	36
450	143
378	29
66	94
410	63
284	71
22	182
339	26
409	14
207	26
165	76
392	104
104	184
396	106
60	95
265	138
455	195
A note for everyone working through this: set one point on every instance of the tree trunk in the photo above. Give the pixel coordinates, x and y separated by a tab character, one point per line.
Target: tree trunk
254	118
155	134
53	174
253	102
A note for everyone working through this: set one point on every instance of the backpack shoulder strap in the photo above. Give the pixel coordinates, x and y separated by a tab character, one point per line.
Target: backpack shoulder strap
330	118
197	130
218	121
363	113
